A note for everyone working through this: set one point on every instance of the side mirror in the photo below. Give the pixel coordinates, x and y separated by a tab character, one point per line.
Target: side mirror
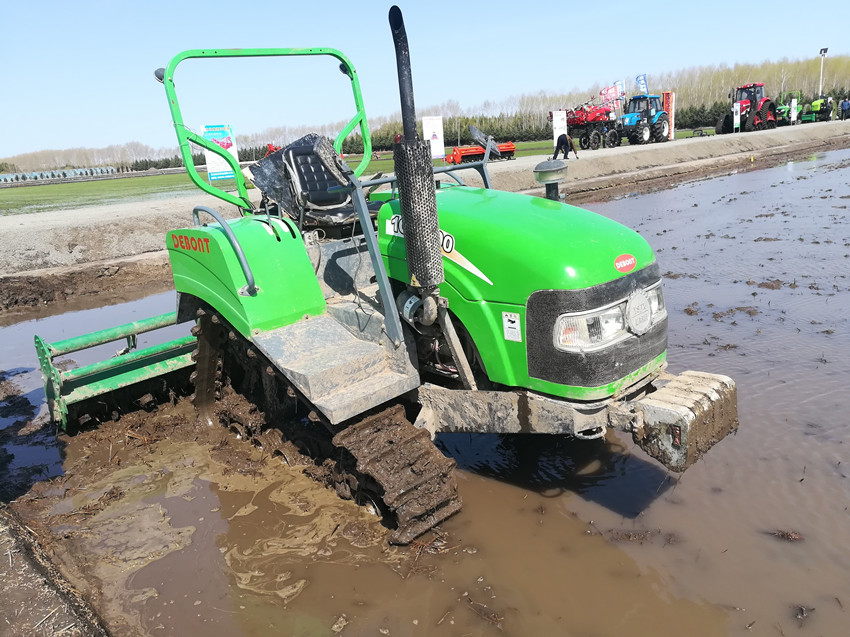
159	74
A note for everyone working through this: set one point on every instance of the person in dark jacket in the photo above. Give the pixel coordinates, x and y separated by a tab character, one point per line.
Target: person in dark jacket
565	143
845	109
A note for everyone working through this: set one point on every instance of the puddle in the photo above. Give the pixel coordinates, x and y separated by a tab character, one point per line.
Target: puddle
556	537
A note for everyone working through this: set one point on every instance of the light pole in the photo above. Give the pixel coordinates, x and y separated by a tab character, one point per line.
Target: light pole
822	56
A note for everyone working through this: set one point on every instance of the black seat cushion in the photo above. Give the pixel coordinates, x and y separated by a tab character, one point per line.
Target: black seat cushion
313	179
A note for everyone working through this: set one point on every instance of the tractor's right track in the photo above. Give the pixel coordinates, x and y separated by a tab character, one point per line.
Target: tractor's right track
379	459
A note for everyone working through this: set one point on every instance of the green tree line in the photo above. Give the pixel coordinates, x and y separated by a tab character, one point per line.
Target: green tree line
701	97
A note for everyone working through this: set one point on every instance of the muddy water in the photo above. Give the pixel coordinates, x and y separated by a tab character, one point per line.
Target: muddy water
758	287
556	537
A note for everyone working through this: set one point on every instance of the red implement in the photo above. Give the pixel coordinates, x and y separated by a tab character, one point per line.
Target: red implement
465	154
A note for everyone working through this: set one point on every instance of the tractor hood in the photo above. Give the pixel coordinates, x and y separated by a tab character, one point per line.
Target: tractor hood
501	247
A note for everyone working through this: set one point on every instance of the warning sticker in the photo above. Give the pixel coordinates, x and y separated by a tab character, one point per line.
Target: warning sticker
513	330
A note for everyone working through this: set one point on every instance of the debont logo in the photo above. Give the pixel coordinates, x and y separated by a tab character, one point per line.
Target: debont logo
625	263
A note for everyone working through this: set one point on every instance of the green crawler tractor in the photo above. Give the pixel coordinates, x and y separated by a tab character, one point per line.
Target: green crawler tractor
361	327
820	110
788	110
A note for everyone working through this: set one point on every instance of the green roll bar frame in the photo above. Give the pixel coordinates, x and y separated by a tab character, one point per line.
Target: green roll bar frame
186	136
64	389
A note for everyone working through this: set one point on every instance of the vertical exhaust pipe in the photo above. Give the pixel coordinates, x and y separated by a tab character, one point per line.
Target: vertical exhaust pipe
405	78
415	178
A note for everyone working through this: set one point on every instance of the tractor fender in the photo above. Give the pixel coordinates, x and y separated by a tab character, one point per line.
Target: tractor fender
205	266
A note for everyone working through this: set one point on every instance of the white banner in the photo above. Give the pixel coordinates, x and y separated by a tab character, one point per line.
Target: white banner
736	116
217	166
621	88
559	125
432	130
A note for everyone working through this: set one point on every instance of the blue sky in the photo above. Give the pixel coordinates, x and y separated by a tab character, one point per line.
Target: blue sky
80	73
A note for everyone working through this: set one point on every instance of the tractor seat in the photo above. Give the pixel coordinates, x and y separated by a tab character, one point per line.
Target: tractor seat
311	182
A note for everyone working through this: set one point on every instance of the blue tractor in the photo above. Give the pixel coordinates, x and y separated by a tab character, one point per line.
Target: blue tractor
644	120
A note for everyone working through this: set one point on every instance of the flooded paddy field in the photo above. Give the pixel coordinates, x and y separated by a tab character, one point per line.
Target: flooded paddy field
173	529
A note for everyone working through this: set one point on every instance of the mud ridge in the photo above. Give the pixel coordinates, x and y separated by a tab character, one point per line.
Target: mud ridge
38	563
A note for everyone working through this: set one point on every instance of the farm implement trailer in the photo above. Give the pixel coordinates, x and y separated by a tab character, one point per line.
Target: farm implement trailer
362	327
468	154
593	125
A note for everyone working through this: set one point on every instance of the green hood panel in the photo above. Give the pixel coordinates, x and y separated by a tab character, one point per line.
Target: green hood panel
500	247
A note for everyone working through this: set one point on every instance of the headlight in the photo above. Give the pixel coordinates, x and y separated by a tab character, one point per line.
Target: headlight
597	329
591	330
656	303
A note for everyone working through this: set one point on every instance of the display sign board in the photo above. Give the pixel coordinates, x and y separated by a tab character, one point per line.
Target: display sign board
641	82
559	125
432	130
668	100
736	116
217	166
794	115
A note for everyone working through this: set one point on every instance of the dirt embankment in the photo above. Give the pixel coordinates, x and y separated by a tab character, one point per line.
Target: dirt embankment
71	256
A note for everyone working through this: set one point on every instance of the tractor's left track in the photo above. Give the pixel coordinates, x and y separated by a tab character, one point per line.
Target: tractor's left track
379	460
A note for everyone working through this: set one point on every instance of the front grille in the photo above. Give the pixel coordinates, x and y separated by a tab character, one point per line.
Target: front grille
589	369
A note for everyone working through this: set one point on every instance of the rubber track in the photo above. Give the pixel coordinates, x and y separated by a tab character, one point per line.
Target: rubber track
418	482
207	375
383	454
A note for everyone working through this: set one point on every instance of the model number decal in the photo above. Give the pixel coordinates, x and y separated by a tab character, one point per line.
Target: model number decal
396	227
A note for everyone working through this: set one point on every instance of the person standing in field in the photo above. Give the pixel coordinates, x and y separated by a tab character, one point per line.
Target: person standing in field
565	143
845	109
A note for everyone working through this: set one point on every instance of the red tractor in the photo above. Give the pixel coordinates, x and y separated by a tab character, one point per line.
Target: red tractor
593	124
757	111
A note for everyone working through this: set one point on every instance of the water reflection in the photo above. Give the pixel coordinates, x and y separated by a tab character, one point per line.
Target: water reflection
602	471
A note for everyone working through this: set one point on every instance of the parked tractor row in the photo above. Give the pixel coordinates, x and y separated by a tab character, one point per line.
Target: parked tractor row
756	111
643	120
